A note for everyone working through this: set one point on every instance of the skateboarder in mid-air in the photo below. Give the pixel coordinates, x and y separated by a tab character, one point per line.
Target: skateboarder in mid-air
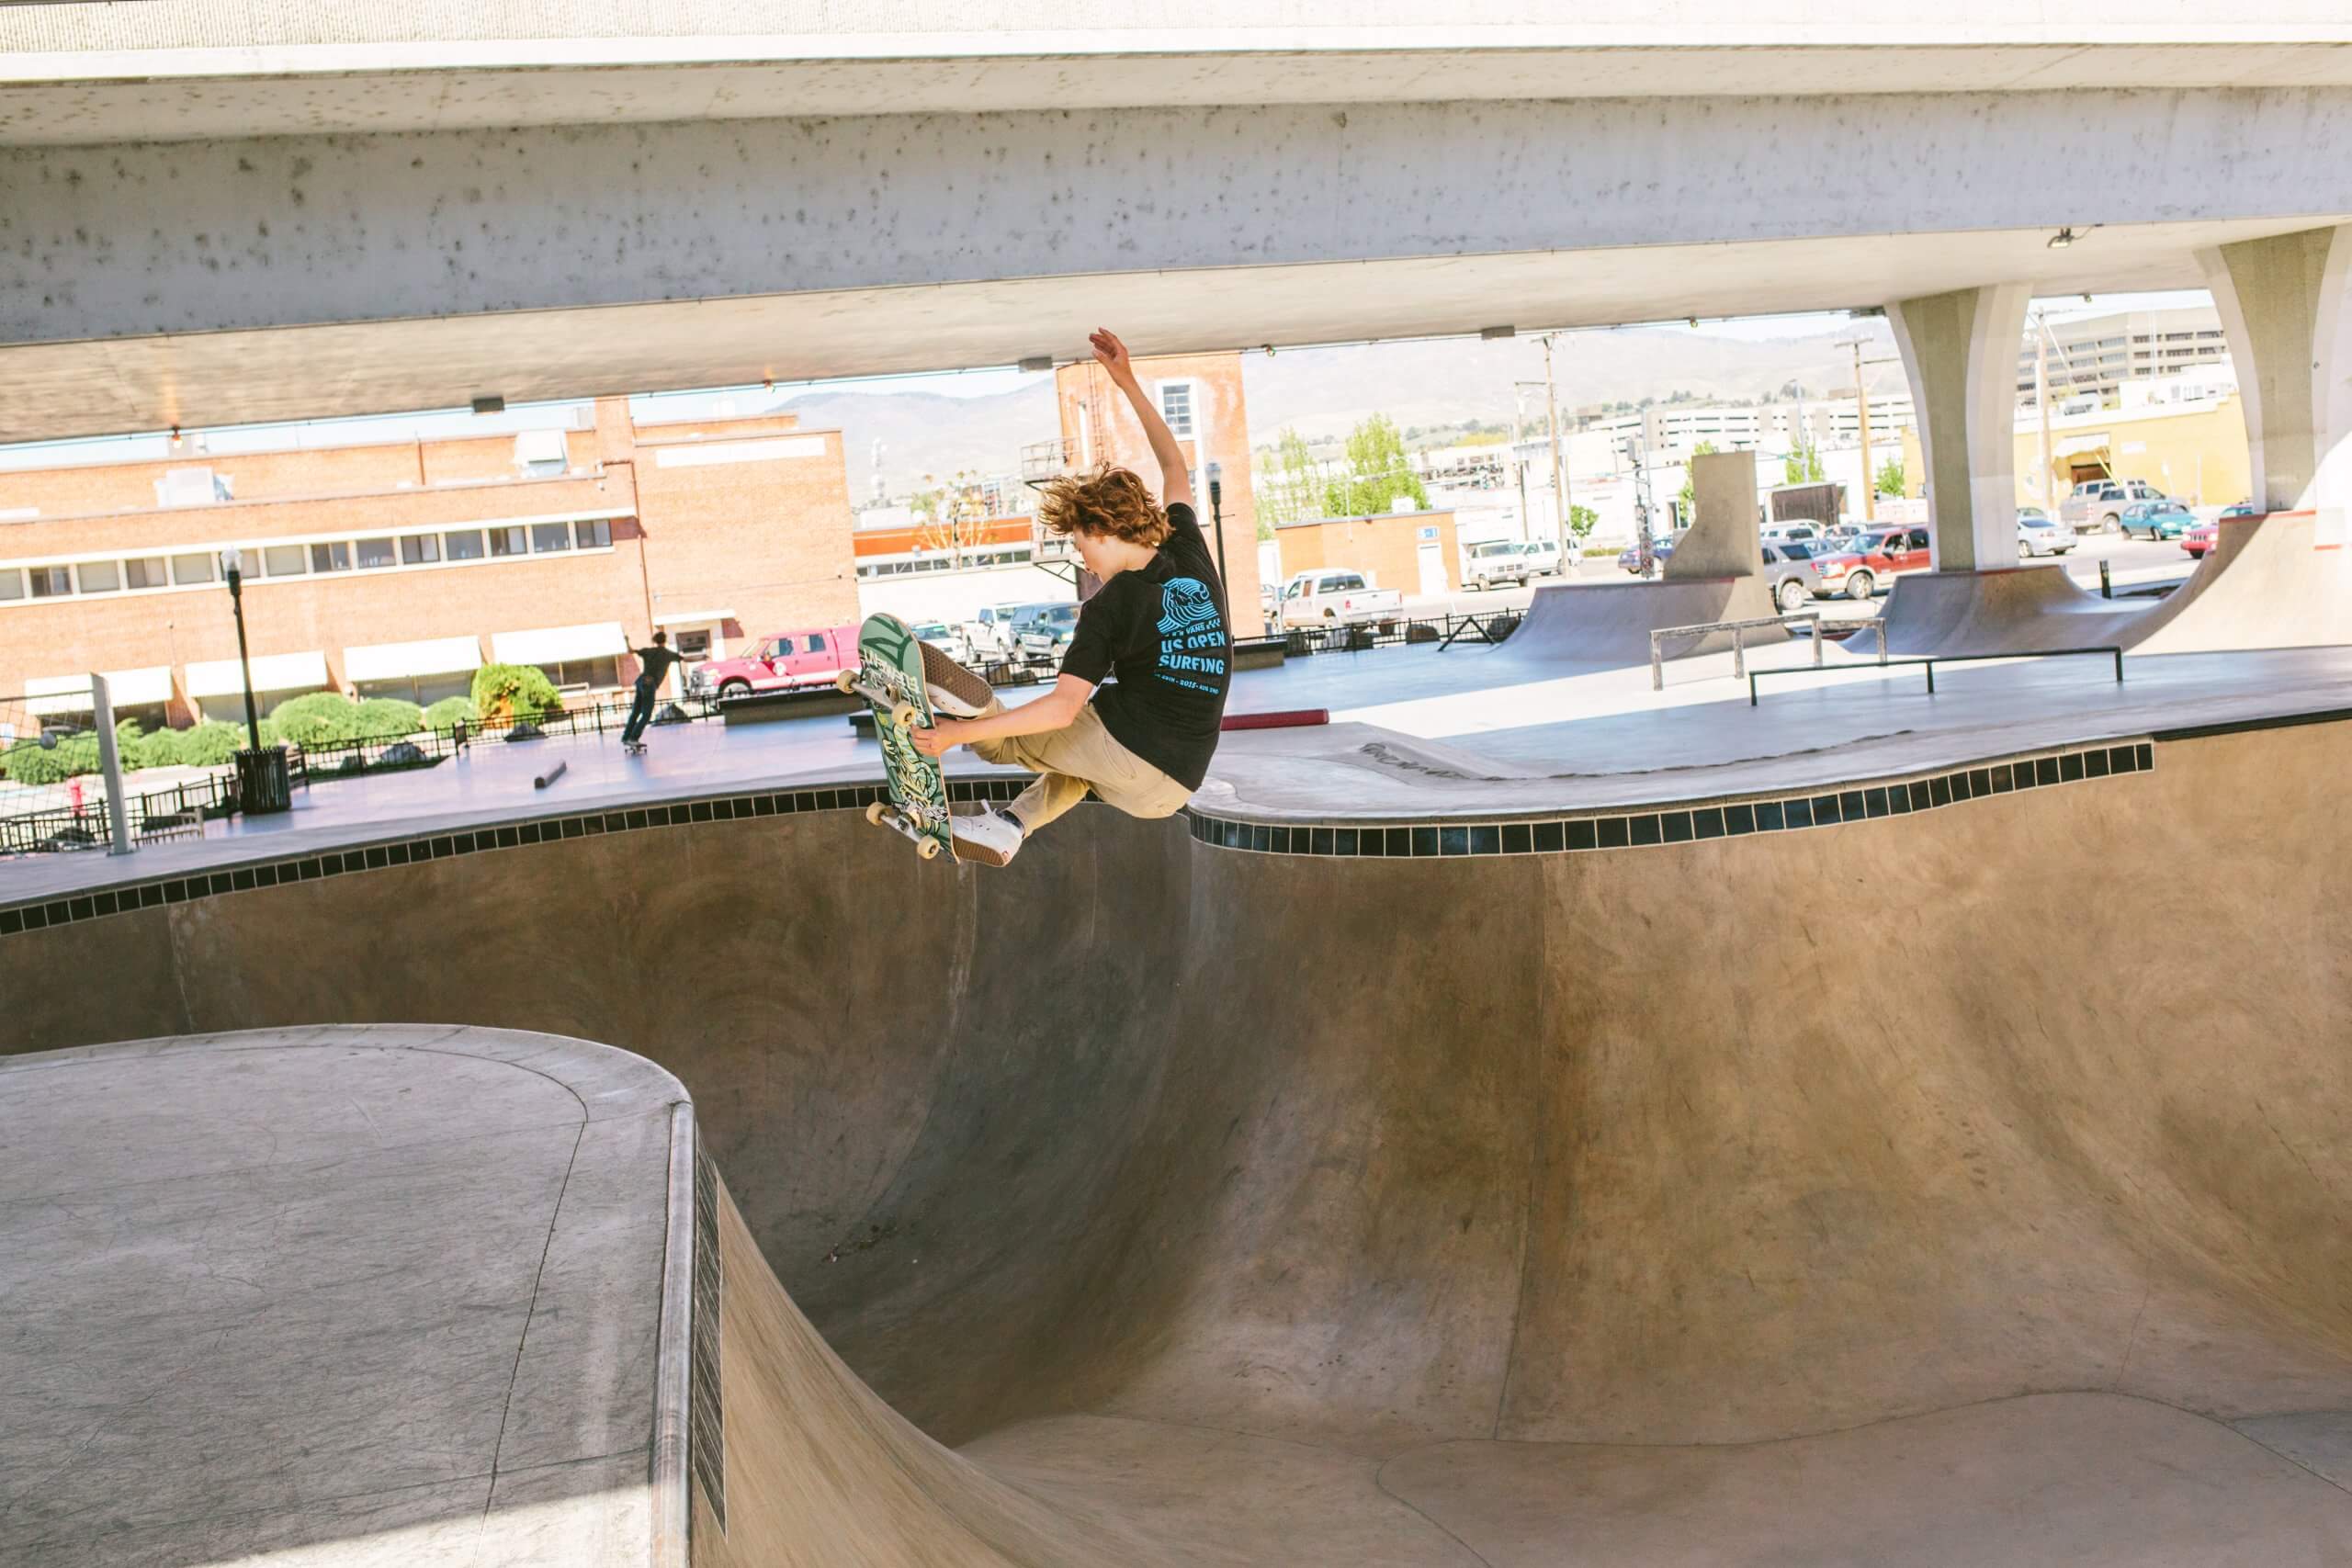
653	668
1143	741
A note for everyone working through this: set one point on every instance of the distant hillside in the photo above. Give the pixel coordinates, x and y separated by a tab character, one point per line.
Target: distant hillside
1323	391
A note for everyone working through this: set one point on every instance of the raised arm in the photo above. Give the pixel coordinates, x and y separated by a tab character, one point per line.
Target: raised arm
1175	480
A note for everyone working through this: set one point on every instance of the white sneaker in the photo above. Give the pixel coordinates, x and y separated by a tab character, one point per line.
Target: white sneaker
991	838
954	691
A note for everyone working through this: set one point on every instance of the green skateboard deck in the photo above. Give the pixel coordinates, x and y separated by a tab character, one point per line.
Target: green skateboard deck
889	677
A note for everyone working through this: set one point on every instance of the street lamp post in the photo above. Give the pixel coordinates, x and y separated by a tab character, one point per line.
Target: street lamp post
1216	521
264	784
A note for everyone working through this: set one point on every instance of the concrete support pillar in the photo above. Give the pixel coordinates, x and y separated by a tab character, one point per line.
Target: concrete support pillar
1960	351
1723	539
2286	302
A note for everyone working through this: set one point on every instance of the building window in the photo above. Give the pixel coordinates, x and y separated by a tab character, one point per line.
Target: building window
145	571
595	534
285	560
420	549
546	536
693	646
50	581
592	673
336	556
1176	408
465	544
196	567
12	584
375	553
514	541
100	576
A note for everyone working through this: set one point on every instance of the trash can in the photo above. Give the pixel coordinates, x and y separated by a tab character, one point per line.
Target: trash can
264	784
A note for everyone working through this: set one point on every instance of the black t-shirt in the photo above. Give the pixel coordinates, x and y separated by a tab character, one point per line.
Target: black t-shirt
654	665
1162	630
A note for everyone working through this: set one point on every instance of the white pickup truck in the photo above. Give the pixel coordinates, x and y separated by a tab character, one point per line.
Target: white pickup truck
1328	595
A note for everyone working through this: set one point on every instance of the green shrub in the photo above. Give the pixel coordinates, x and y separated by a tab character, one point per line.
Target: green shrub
31	762
212	744
444	715
389	718
317	718
161	750
506	693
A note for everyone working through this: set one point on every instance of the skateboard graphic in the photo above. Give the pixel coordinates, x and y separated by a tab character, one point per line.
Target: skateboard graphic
890	676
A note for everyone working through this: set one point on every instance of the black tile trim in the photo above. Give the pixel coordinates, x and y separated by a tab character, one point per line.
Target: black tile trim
1692	825
73	907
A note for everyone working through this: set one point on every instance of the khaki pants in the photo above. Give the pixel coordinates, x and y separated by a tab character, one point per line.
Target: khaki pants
1071	761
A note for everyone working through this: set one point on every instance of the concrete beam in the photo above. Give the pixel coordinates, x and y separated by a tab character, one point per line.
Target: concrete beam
1959	350
1723	539
129	240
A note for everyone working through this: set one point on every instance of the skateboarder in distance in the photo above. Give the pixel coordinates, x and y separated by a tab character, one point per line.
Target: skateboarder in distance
653	668
1142	742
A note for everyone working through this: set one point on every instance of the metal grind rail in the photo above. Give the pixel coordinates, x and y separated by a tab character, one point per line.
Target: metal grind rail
1931	660
1739	630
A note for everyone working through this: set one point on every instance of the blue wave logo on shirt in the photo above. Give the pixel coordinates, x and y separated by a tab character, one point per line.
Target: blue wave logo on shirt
1186	605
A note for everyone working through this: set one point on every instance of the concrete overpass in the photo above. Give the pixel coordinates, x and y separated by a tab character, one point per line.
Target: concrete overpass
212	214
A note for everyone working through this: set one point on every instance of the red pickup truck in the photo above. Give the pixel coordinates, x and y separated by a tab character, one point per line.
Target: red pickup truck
780	663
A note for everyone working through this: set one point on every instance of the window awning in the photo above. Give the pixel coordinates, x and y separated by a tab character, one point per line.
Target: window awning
49	695
272	673
391	660
2074	446
692	617
557	645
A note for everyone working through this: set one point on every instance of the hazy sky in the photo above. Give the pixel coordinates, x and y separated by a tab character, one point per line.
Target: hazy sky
750	399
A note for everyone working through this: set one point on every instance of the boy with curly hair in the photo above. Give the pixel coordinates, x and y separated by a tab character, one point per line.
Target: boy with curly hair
1135	713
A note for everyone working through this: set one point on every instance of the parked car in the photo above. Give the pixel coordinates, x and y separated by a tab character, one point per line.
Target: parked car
1774	533
1788	566
2243	509
1337	596
2100	504
2038	535
1630	558
2198	538
1859	569
989	634
949	640
779	663
1046	631
1500	562
1544	555
2157	519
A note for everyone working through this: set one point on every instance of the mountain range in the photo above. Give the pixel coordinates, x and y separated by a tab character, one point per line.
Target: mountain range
1322	392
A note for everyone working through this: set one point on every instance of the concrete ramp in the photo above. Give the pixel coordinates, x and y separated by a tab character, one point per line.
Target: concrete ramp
2268	584
1609	623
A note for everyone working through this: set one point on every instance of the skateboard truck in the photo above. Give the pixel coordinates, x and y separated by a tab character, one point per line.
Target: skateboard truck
882	813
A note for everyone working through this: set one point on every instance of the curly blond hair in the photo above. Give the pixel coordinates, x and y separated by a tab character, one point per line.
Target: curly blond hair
1108	503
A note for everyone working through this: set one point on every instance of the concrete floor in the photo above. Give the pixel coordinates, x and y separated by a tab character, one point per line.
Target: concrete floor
1962	1188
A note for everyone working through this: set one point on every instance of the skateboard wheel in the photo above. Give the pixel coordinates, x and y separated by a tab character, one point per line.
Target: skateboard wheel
927	850
874	812
845	682
904	716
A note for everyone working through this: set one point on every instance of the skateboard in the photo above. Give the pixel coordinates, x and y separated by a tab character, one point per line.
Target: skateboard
889	677
634	748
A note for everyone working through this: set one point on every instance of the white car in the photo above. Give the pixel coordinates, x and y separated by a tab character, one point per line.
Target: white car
1504	560
1544	555
949	640
1337	596
2039	533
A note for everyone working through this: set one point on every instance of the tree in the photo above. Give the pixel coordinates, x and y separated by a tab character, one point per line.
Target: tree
1377	473
1581	520
1689	497
1891	477
1801	466
1290	493
507	693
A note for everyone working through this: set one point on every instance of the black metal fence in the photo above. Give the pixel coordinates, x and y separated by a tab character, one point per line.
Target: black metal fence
177	812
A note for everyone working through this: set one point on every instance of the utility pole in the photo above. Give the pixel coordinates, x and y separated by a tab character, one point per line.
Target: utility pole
2041	486
1559	469
1862	428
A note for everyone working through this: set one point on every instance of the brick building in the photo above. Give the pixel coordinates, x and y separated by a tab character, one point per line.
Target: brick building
398	568
1200	395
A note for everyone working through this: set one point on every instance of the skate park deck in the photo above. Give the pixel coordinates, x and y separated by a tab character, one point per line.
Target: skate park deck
1800	1195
